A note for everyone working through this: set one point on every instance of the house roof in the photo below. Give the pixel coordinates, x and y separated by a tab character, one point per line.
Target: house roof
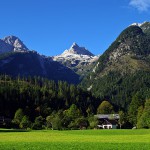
110	122
107	116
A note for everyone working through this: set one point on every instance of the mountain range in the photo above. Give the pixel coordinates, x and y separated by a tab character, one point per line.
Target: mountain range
16	59
120	72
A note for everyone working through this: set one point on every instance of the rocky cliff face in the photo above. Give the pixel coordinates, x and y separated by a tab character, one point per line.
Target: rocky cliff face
11	44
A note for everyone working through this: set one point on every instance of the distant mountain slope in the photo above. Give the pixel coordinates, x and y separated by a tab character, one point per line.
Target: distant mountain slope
16	59
32	64
77	58
5	47
123	65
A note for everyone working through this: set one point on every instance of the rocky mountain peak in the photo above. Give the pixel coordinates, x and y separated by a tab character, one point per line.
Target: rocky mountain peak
74	46
10	39
15	42
76	49
77	58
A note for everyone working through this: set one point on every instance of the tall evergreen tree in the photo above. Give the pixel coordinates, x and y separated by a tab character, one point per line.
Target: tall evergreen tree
144	121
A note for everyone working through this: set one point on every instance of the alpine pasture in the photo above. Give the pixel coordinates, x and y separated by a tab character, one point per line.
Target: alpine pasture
75	140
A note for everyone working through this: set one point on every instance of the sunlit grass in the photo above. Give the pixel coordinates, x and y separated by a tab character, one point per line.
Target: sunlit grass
74	140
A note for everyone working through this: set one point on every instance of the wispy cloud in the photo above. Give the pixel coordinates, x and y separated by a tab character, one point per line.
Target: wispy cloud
141	5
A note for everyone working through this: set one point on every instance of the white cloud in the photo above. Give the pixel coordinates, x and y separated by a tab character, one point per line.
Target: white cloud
141	5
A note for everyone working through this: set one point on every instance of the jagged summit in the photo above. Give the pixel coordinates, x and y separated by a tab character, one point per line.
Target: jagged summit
11	44
23	62
76	49
10	39
15	42
74	45
77	58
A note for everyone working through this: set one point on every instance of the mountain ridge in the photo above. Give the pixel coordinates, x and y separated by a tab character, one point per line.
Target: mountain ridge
30	63
126	62
127	49
75	56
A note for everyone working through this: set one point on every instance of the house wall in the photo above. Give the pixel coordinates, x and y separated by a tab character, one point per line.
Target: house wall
107	126
114	127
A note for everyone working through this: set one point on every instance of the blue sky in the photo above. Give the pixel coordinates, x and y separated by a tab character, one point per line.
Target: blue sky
51	26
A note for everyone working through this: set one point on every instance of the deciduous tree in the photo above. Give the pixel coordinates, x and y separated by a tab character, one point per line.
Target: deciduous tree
105	108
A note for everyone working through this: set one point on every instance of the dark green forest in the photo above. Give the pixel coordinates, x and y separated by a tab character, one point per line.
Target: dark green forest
120	89
41	97
39	103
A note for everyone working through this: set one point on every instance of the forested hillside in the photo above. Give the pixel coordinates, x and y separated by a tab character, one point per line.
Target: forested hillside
124	68
32	64
42	97
39	103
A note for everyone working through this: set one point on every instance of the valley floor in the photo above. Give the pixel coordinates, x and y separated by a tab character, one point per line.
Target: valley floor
75	140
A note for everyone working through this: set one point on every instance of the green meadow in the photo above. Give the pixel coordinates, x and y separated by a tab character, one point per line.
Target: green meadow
75	140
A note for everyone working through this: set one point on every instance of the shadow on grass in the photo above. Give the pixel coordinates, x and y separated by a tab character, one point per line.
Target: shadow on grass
13	130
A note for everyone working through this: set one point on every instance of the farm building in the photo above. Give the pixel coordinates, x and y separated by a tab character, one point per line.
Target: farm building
108	121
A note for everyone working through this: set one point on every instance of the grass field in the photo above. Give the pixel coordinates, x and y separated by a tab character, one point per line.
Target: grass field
75	140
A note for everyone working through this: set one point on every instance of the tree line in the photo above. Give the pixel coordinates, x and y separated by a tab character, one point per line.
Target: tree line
41	97
39	103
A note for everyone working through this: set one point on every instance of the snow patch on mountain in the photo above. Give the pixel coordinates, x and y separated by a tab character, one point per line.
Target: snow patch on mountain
74	58
76	55
75	49
137	24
